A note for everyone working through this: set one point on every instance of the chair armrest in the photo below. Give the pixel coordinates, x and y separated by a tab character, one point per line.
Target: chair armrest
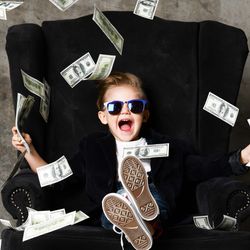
224	196
22	191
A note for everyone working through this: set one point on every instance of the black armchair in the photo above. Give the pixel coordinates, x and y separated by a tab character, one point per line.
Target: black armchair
179	63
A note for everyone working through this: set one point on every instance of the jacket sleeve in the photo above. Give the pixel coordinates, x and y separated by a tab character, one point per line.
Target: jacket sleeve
76	184
77	165
203	167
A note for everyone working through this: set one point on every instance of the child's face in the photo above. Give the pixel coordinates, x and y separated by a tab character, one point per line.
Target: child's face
126	125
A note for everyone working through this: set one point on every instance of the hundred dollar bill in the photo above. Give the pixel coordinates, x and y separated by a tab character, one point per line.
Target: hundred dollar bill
108	29
33	85
3	15
8	224
54	172
55	222
221	109
37	217
45	104
57	213
63	4
228	223
23	109
146	8
78	70
48	226
9	5
80	216
148	151
103	67
28	220
202	222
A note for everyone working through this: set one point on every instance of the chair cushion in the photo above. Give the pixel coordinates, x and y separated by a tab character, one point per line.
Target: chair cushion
186	237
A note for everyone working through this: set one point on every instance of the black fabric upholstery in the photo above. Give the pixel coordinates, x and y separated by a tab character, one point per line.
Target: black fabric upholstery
29	43
232	199
24	191
179	63
218	47
90	238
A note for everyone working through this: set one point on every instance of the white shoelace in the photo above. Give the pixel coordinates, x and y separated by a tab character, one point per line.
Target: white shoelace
121	238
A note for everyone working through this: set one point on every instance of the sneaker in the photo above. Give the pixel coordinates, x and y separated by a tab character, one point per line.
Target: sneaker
121	214
134	179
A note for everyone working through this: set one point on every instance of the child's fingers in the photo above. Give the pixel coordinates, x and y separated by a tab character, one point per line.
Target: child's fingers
27	138
16	138
18	146
14	130
16	141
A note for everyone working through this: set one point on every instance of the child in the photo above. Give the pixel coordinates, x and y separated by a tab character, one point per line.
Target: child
123	106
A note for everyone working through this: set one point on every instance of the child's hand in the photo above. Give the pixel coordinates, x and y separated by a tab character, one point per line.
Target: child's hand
17	141
245	155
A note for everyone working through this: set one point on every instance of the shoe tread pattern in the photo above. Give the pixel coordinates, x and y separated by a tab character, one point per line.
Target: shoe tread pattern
135	177
122	216
118	211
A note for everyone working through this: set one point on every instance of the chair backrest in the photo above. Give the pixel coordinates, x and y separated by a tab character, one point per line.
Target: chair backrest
179	63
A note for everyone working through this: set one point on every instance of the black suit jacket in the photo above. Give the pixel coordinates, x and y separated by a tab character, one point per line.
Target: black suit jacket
94	166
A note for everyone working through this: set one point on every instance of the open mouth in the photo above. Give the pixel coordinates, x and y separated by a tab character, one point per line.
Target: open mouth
125	124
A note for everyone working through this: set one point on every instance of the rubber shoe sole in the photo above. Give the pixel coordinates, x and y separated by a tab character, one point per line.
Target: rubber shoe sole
121	214
134	179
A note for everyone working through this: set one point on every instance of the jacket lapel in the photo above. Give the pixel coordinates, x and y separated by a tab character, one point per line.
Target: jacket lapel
154	138
108	146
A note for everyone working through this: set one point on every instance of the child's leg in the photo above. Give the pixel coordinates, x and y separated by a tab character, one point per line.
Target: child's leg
163	207
105	222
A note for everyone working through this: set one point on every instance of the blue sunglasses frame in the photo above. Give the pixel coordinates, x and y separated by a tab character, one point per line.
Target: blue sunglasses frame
115	109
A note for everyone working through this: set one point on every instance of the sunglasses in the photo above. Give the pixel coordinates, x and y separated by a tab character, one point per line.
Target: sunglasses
136	106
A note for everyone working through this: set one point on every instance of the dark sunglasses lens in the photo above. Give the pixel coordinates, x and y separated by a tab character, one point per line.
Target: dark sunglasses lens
136	106
114	108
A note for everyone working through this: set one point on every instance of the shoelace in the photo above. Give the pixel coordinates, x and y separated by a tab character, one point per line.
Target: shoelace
121	238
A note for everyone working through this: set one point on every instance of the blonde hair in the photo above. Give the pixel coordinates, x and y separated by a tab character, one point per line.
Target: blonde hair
118	79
